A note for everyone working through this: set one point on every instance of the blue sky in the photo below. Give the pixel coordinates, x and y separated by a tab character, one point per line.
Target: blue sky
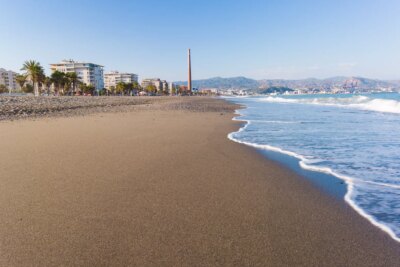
258	39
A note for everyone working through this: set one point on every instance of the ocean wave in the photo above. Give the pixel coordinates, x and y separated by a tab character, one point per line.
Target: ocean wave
306	163
279	122
357	102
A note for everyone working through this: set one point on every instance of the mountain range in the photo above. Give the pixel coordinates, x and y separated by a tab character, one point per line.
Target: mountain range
244	83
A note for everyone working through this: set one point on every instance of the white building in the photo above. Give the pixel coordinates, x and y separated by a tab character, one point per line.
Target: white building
147	82
7	78
88	73
161	85
114	77
171	87
164	86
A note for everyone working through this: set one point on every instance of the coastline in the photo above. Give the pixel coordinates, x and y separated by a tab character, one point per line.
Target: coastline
326	179
160	185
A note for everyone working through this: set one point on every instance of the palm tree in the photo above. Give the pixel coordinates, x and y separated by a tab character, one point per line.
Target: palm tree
112	89
82	88
33	71
135	87
21	80
40	80
90	89
57	78
78	90
67	85
47	83
87	89
63	84
73	79
120	88
152	89
129	88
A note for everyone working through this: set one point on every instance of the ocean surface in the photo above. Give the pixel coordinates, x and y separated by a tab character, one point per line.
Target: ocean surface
353	137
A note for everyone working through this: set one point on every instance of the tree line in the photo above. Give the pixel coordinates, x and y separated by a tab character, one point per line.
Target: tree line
34	80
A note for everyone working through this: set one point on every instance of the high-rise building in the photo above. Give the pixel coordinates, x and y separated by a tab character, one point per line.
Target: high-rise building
7	78
88	73
114	77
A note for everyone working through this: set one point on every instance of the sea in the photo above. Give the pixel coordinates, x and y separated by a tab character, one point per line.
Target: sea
353	138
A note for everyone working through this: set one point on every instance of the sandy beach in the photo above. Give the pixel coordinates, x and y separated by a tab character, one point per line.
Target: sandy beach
158	183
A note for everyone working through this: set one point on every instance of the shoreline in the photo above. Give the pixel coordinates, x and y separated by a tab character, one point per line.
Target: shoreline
295	162
30	107
162	185
333	185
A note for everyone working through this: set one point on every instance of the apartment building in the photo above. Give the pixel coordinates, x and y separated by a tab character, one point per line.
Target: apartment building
171	87
7	78
114	77
88	73
161	85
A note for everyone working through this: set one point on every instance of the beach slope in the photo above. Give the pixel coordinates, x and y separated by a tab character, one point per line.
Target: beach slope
163	186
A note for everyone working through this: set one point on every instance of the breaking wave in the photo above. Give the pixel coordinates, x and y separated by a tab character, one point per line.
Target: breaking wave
374	197
357	102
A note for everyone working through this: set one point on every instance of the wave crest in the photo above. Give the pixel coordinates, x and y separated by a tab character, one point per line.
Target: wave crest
307	163
357	102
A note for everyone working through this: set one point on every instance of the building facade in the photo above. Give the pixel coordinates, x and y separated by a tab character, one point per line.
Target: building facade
164	86
114	77
88	73
161	85
7	78
171	88
152	81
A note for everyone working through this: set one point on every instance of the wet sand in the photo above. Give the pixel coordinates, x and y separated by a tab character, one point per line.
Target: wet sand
163	186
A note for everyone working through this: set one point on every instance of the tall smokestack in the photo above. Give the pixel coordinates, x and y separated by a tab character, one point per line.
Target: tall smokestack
190	72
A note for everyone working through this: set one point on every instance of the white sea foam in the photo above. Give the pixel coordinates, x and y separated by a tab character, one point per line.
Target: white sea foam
357	102
305	163
287	122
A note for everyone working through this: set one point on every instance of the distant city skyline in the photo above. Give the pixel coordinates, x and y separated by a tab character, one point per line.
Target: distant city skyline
256	39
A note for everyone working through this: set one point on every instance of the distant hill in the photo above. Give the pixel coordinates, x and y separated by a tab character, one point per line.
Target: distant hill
330	83
350	83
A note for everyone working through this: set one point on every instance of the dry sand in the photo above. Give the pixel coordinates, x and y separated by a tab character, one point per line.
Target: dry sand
165	187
